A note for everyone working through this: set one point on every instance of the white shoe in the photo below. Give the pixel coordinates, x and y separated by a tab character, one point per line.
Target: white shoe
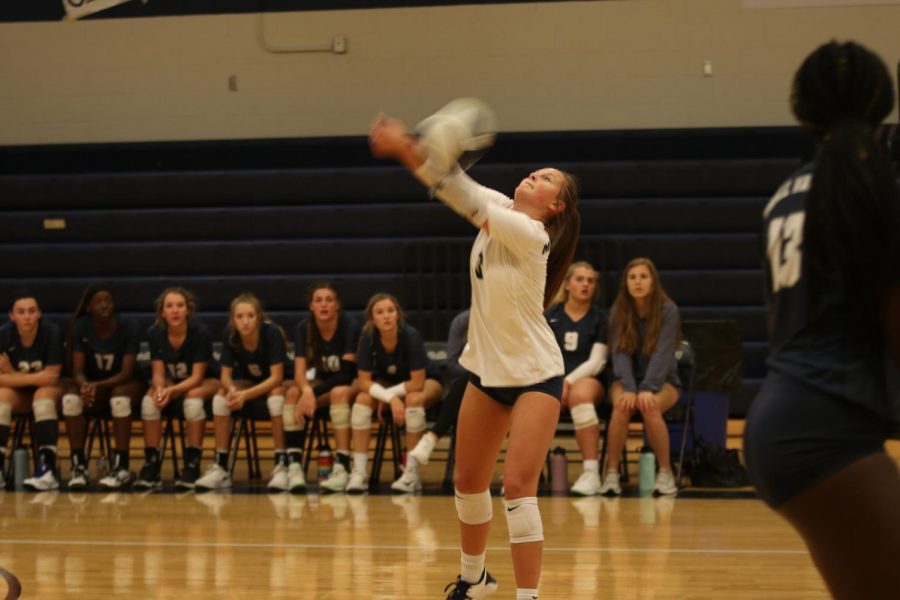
336	481
422	451
79	479
358	483
665	483
296	478
610	484
408	483
117	479
588	484
472	591
45	483
279	481
215	478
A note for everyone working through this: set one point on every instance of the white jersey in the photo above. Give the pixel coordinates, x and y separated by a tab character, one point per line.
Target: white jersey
510	343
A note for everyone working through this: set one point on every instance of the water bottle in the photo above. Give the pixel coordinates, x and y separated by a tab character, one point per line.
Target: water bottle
559	471
20	467
647	470
325	462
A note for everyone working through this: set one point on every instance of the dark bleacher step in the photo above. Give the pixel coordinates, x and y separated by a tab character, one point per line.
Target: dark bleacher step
374	185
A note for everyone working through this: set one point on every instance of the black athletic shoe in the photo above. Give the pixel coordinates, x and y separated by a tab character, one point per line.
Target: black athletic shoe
463	590
149	478
189	476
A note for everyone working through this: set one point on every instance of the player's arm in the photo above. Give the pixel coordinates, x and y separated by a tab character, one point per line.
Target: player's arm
123	376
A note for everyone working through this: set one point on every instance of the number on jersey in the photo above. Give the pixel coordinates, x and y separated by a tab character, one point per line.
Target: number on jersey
785	256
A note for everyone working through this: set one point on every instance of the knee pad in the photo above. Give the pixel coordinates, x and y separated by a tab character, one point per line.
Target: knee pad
44	410
290	422
361	416
340	416
276	405
415	419
584	415
149	411
524	520
474	509
120	406
193	410
220	407
5	414
72	405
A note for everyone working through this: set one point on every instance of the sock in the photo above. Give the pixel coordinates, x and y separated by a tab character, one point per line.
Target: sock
2	458
526	594
151	454
280	457
592	465
120	458
47	456
360	459
412	466
343	457
78	457
192	456
294	442
222	458
472	567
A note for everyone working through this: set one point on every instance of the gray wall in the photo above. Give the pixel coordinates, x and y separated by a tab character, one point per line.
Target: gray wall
547	66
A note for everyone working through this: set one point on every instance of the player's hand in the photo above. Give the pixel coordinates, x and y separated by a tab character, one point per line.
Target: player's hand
398	411
388	137
88	394
162	397
646	400
236	399
627	400
307	403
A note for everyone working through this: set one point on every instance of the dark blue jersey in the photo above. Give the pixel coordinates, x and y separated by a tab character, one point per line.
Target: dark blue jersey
46	350
394	367
821	343
103	357
197	348
344	341
576	338
255	365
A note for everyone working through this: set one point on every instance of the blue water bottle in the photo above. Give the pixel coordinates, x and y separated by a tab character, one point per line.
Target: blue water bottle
646	470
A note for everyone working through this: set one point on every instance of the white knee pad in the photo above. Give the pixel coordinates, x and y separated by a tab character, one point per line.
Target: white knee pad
193	410
149	411
220	407
474	509
72	405
361	416
120	406
524	520
340	416
276	405
44	410
5	414
415	419
290	423
584	415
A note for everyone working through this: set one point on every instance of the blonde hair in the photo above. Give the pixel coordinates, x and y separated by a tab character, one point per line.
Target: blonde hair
562	296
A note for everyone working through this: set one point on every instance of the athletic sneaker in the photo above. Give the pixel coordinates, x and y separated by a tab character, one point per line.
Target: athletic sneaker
463	590
189	475
117	479
408	483
422	451
215	478
358	483
665	483
279	481
79	479
149	477
42	483
336	481
610	485
587	484
296	478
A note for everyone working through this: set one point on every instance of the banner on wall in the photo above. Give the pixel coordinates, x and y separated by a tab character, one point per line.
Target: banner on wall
75	9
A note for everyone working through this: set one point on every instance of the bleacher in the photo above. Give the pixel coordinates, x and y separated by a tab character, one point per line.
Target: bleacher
273	216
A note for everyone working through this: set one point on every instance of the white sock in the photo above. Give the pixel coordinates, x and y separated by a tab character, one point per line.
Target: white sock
526	594
472	567
412	466
360	459
592	465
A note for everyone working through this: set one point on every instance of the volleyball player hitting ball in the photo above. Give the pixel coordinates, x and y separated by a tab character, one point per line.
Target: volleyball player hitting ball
815	433
517	264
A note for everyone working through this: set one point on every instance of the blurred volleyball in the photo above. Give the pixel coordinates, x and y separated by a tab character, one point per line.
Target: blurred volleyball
461	132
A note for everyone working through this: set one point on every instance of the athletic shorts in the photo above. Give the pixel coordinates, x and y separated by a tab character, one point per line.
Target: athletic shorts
508	395
797	436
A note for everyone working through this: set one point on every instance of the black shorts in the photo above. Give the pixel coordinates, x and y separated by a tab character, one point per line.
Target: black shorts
508	395
796	436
